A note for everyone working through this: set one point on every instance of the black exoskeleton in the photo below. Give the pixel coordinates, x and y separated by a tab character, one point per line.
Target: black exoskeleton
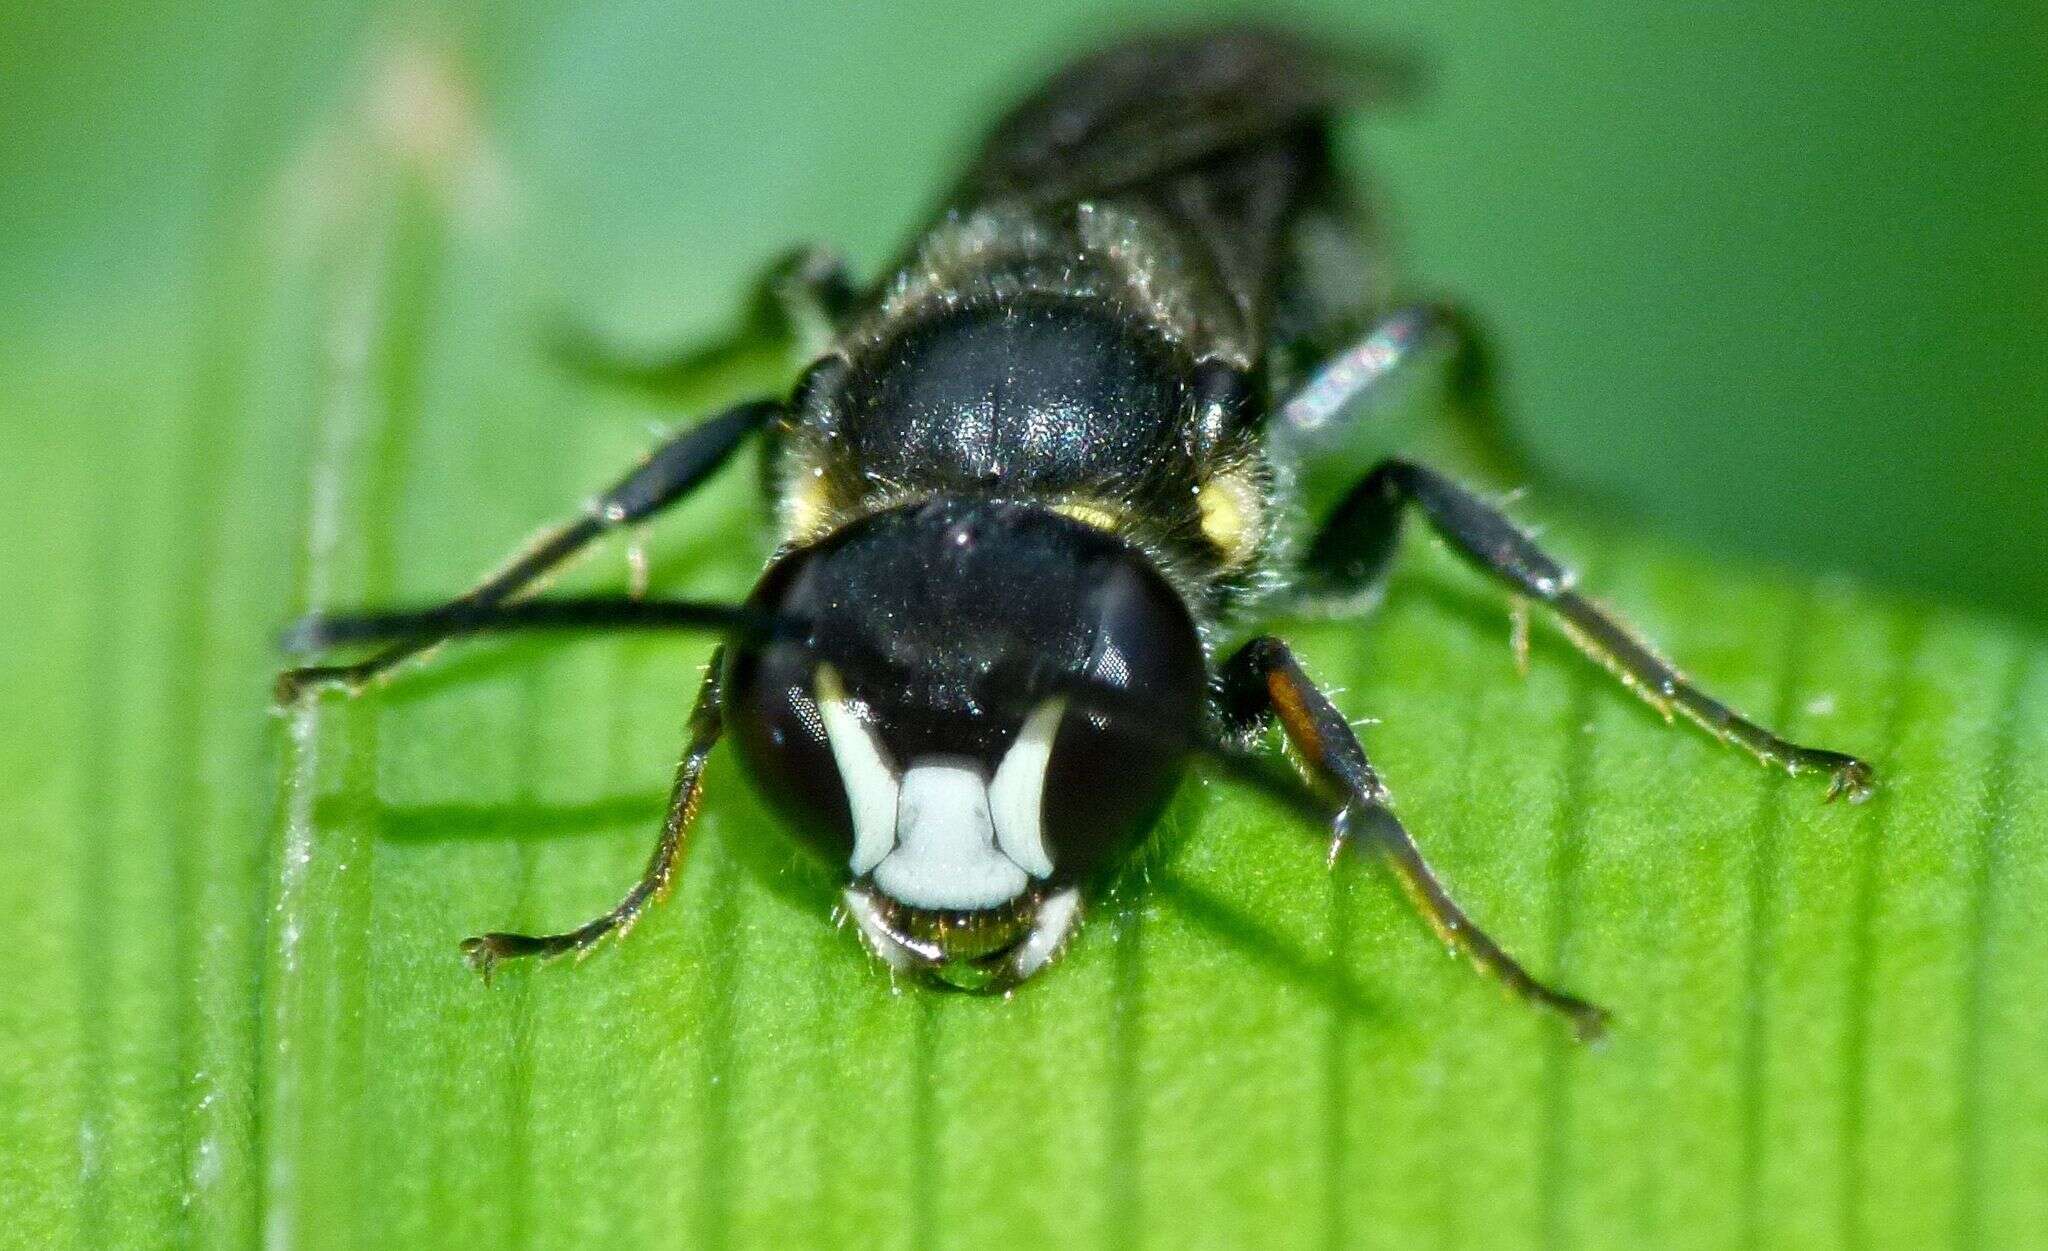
1026	484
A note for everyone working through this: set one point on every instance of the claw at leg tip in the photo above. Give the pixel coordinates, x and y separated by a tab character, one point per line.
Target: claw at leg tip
1853	780
481	955
1589	1024
295	686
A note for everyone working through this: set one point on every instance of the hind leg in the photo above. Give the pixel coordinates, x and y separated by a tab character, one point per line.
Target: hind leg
1438	339
795	309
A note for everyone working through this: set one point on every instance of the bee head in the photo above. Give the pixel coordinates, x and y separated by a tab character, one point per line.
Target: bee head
937	728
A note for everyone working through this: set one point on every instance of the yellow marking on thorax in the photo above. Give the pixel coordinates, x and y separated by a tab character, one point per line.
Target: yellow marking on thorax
1232	514
807	506
1089	513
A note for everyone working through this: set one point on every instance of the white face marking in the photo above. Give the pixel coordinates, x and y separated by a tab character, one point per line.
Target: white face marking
939	835
946	854
871	785
1049	932
1017	795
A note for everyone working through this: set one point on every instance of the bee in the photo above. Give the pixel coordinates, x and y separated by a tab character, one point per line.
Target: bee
1028	486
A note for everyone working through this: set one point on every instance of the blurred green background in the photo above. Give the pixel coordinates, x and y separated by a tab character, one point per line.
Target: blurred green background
1777	271
1769	279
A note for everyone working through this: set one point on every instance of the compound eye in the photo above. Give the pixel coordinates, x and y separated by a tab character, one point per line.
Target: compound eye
1114	766
778	728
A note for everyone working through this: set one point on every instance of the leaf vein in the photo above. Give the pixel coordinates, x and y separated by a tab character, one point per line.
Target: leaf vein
1994	831
1863	955
1767	829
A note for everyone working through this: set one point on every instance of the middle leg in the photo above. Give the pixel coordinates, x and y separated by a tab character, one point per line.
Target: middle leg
1358	540
674	469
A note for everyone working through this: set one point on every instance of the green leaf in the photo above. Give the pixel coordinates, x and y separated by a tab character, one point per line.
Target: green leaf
236	1012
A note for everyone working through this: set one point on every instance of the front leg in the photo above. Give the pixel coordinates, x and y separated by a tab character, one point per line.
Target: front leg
707	723
1358	540
1263	682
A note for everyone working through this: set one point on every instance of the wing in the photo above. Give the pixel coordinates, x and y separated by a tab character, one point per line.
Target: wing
1161	104
1224	131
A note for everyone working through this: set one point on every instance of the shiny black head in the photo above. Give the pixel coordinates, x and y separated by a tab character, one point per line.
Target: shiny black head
956	725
